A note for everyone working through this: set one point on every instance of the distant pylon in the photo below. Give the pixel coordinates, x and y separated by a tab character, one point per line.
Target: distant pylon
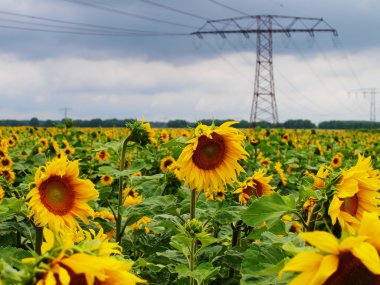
65	110
264	106
373	92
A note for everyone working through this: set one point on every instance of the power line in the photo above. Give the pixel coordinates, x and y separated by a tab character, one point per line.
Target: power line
118	11
174	9
228	7
69	22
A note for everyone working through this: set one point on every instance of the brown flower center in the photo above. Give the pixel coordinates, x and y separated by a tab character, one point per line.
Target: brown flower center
57	195
352	272
256	190
350	205
102	154
168	162
209	153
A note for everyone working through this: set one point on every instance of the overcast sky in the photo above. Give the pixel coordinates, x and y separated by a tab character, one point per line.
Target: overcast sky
133	58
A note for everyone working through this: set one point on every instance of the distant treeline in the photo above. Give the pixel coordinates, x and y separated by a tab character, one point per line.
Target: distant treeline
109	123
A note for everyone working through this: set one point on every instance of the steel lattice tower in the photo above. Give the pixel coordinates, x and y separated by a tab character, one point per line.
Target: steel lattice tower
373	92
264	106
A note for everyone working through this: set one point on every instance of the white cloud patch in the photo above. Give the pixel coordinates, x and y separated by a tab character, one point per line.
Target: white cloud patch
314	88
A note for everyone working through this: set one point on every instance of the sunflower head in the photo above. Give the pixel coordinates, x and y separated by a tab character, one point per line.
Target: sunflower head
58	196
140	132
257	185
106	180
352	260
166	162
355	193
102	155
336	161
211	158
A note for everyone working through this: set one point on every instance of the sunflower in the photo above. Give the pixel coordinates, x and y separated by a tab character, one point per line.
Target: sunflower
102	155
356	192
211	158
336	161
8	174
280	171
132	197
87	269
6	162
164	136
257	185
166	162
106	180
354	260
319	178
59	196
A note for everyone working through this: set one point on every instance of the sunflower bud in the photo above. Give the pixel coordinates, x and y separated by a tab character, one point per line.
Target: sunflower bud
193	227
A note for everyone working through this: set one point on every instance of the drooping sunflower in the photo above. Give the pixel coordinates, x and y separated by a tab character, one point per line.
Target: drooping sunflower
354	260
211	158
257	185
356	192
59	196
166	162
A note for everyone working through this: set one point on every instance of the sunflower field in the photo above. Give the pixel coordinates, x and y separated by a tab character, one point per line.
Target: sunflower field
209	205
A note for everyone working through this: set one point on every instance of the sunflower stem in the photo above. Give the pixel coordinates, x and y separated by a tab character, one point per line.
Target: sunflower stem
120	194
193	202
39	239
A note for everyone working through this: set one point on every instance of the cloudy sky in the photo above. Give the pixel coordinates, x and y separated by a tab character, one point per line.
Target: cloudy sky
133	58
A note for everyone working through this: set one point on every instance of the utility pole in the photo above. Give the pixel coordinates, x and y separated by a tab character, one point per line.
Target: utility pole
264	106
373	92
65	110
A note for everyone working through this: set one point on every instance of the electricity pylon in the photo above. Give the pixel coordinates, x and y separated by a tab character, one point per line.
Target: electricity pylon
65	110
372	92
264	106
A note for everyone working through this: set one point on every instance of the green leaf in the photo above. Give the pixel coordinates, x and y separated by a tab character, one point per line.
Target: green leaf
205	271
268	209
261	265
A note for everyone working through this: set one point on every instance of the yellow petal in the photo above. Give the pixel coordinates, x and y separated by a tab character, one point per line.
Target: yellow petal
328	266
334	208
348	188
322	240
64	276
304	261
303	278
368	255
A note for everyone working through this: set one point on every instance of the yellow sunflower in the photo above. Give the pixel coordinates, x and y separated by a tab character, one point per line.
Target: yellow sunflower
166	162
59	196
319	178
87	269
356	192
164	136
8	174
257	185
106	180
6	162
354	260
211	158
280	171
336	161
102	155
